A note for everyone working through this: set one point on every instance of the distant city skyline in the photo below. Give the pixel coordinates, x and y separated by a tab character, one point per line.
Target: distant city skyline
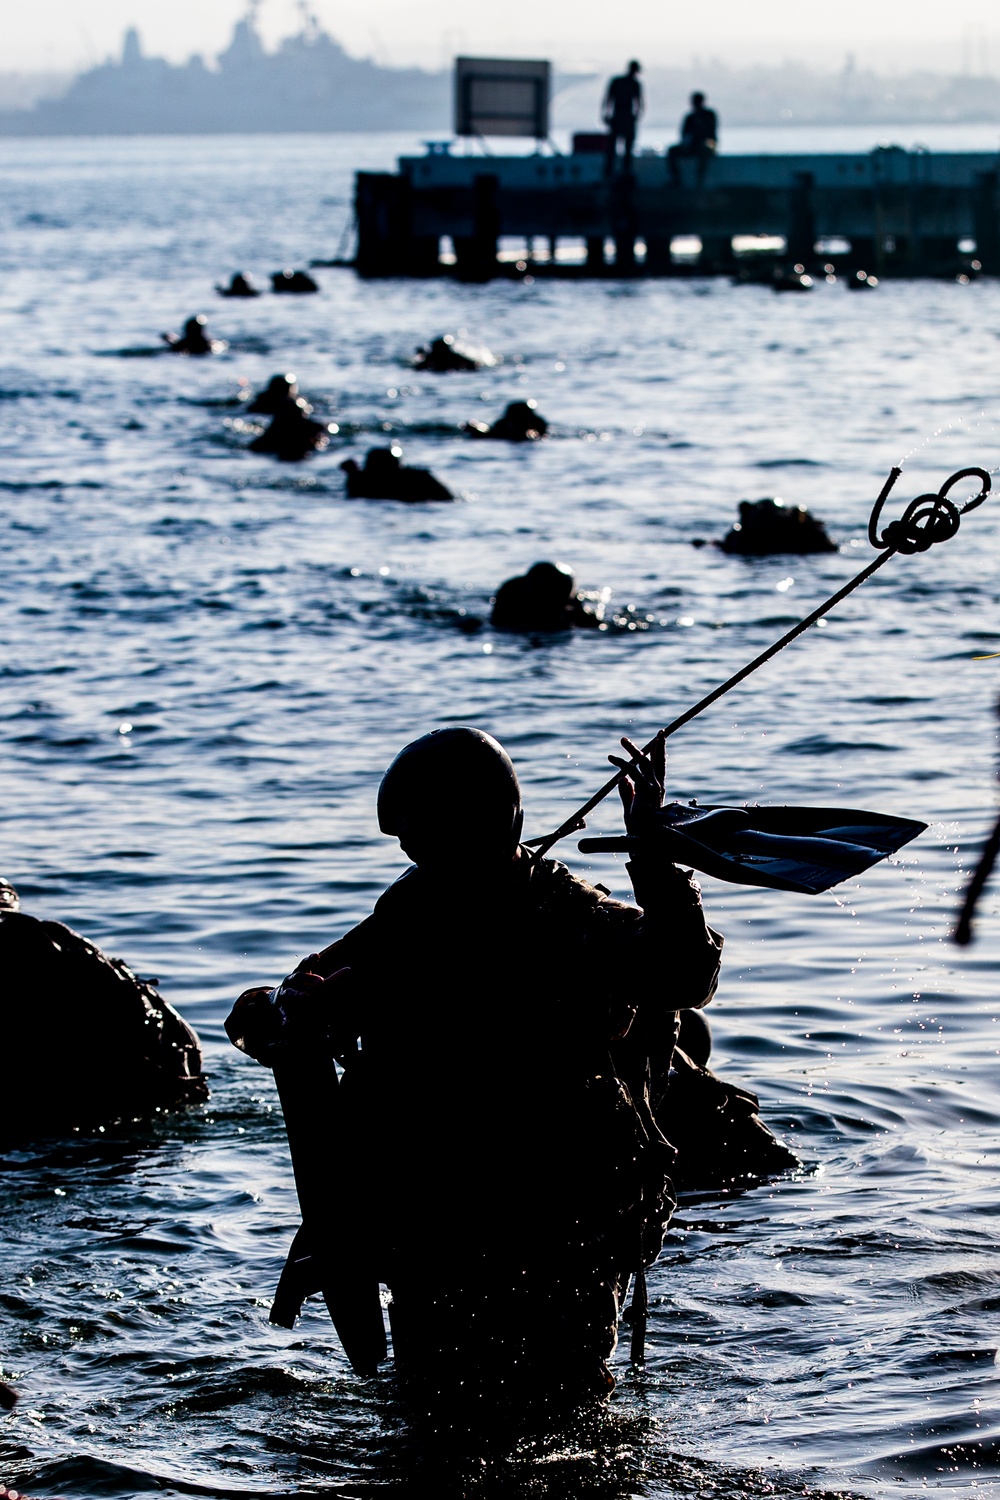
887	34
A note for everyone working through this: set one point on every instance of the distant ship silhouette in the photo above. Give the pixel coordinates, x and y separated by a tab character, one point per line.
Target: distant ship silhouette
308	84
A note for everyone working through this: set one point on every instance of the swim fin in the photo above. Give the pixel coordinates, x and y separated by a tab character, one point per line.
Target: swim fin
805	849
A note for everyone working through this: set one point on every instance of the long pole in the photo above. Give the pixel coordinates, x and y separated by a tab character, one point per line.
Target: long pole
926	520
578	819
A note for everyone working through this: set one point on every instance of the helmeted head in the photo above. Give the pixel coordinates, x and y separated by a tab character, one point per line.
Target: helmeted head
697	100
768	512
451	793
522	410
551	583
281	386
383	460
195	325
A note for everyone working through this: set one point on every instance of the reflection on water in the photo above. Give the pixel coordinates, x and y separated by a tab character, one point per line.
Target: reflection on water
269	645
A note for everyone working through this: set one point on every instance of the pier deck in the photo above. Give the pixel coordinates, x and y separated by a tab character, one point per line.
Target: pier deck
902	212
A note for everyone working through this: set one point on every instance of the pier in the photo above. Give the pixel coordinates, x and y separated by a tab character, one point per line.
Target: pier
889	211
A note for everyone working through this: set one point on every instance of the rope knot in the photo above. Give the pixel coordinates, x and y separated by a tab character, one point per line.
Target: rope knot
928	518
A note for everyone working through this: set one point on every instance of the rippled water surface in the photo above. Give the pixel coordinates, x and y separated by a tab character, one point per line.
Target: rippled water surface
208	660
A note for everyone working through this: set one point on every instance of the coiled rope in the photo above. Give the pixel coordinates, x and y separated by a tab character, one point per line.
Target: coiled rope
927	520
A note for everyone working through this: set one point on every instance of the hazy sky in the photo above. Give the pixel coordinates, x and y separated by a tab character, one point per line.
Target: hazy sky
892	34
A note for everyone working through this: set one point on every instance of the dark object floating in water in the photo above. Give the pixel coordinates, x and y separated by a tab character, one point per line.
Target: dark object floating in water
8	1396
543	599
804	849
87	1040
292	433
861	282
293	281
766	527
520	423
194	340
385	478
279	389
720	1139
448	353
794	280
240	397
239	286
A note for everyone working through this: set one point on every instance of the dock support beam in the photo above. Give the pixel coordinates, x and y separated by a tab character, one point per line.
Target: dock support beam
716	258
476	254
801	236
658	258
387	245
623	221
987	221
595	255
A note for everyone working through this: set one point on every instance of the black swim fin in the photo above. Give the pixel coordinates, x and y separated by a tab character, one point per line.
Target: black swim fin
324	1256
805	849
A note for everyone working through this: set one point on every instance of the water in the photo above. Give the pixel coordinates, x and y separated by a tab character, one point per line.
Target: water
271	645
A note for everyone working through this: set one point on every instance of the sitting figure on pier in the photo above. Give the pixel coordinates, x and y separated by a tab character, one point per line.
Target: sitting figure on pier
448	353
768	527
544	599
520	423
699	138
292	433
384	477
621	110
194	339
239	286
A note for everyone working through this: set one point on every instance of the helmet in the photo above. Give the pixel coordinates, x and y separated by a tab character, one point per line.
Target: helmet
453	789
551	582
381	461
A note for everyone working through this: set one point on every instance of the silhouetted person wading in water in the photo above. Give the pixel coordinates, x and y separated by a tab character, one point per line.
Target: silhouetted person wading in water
699	138
622	108
495	1160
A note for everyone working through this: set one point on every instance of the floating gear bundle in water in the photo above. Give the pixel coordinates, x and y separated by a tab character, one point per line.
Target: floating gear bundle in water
928	519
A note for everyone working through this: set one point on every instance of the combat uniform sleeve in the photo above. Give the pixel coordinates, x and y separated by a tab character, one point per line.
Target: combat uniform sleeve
263	1023
666	959
677	943
663	956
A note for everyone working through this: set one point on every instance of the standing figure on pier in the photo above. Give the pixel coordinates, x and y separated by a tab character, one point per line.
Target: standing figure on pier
623	105
699	138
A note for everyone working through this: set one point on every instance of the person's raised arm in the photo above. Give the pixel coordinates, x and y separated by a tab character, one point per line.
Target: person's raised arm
677	942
